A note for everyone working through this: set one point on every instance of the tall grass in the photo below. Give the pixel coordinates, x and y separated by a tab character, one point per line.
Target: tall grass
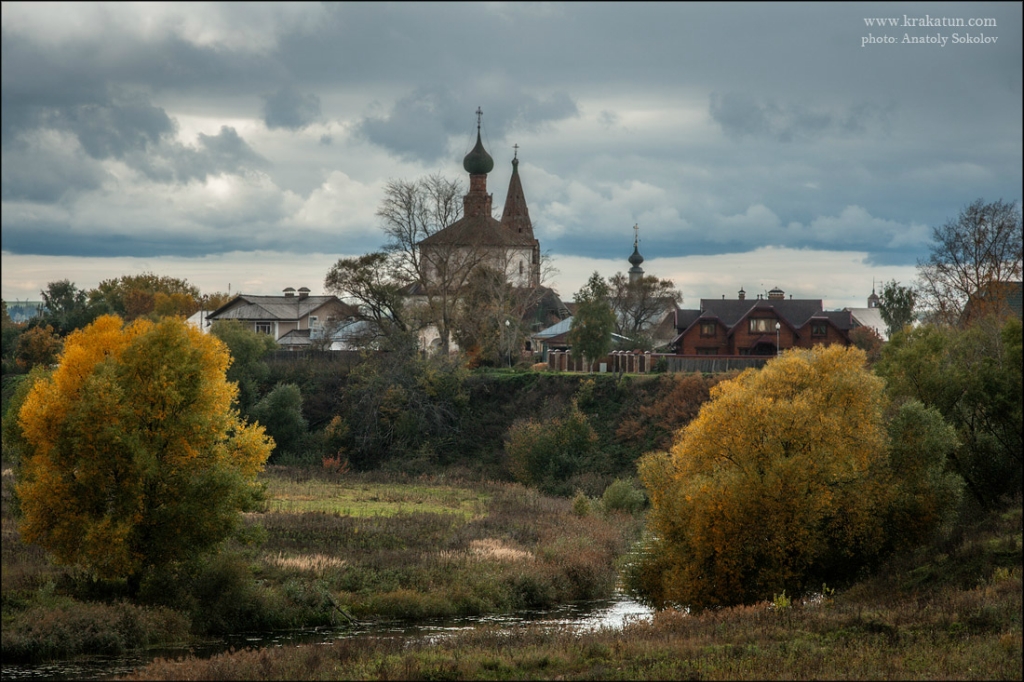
950	628
362	546
518	549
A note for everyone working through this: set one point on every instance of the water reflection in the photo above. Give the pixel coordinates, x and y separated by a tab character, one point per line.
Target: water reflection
593	615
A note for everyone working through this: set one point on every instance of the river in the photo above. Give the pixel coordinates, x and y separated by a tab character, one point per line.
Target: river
592	615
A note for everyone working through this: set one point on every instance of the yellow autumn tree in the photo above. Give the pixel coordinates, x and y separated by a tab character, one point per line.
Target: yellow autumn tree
781	481
134	457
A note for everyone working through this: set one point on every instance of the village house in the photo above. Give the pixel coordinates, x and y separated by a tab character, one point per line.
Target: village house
761	326
294	319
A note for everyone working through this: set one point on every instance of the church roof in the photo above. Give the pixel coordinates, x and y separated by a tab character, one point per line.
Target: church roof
515	215
479	230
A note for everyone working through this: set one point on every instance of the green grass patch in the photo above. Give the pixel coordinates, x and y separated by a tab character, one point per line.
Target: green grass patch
372	499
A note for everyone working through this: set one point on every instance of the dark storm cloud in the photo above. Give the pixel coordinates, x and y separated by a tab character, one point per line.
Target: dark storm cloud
288	108
108	123
39	175
933	129
225	152
741	115
421	123
112	128
51	238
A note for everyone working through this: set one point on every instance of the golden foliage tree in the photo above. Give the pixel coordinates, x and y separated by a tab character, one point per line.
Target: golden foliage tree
134	456
782	481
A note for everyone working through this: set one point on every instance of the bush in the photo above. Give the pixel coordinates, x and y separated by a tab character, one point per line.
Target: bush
399	403
624	497
972	377
280	411
43	633
580	504
548	454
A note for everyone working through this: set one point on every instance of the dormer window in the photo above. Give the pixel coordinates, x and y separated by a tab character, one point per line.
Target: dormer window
819	329
708	328
761	325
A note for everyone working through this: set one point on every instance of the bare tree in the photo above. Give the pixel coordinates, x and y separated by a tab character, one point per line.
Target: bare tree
413	211
980	246
434	270
639	305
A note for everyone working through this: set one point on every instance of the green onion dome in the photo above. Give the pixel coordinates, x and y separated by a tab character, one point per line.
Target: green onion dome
478	161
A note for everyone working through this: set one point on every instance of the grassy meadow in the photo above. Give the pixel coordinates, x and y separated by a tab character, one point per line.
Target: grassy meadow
328	549
950	611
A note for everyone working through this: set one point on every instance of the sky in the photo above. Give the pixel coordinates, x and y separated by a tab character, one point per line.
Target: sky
246	147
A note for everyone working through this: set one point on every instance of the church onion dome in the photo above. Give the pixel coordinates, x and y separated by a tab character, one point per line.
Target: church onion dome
636	259
478	161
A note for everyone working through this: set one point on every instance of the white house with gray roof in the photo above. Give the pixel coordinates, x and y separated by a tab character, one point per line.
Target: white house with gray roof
294	314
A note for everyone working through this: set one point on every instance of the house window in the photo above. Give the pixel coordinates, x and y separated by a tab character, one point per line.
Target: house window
819	329
761	325
264	328
708	328
520	268
314	322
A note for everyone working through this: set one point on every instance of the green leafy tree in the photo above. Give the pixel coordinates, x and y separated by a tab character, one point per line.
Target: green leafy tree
371	283
547	453
401	403
247	349
133	296
590	333
982	245
134	457
11	332
782	482
37	346
66	307
972	377
280	411
924	490
896	304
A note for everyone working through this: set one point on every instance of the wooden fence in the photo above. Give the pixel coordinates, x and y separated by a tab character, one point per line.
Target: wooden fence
642	363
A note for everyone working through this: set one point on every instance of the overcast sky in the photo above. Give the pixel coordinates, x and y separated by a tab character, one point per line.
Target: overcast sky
249	145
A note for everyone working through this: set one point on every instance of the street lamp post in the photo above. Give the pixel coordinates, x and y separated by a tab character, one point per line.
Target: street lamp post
778	350
508	325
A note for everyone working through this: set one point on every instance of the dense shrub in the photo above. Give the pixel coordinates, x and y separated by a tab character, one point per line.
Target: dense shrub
674	401
44	633
972	377
623	496
547	454
397	402
280	411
